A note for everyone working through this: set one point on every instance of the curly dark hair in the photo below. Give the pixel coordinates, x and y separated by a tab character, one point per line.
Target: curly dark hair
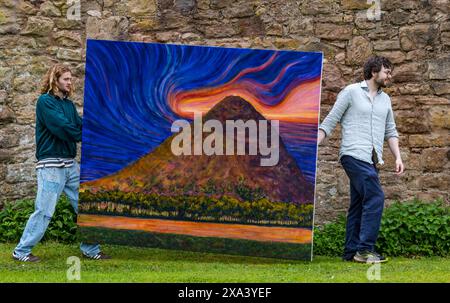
374	64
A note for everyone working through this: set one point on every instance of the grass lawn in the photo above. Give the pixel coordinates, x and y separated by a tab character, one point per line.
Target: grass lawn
130	264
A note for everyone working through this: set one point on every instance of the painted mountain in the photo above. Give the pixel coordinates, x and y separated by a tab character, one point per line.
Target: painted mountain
143	104
164	173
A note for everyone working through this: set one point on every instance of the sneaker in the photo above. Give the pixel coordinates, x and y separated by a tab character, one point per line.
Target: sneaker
369	257
99	256
348	258
28	258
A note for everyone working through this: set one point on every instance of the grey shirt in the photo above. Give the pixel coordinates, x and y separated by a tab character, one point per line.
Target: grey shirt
365	123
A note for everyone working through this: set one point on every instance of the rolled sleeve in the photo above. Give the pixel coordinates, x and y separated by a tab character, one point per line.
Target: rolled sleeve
390	129
343	101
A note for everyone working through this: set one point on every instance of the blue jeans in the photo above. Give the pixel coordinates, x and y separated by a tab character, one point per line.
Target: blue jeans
366	206
52	182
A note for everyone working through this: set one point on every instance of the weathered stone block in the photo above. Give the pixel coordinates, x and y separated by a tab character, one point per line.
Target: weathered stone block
409	72
403	102
412	122
3	97
414	161
440	116
442	5
358	50
64	23
395	4
147	24
67	38
218	30
432	100
383	45
207	14
301	25
355	4
435	159
48	9
394	192
418	36
333	32
395	57
435	181
69	54
332	78
10	29
23	7
399	17
439	68
417	55
431	195
138	8
441	88
22	100
316	7
429	140
329	51
215	4
239	11
39	26
20	173
415	89
445	38
282	43
112	28
170	19
21	82
167	36
445	26
6	115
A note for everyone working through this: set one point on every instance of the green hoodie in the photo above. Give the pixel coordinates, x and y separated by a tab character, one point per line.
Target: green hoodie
58	128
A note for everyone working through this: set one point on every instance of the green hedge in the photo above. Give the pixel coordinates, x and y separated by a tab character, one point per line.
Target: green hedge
14	216
413	228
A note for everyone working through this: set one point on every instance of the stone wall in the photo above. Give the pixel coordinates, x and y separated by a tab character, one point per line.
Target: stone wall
415	35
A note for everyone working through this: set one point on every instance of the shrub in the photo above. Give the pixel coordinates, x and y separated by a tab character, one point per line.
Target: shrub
329	238
14	216
412	228
416	228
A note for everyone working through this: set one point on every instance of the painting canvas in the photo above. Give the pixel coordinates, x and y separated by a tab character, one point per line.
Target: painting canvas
200	148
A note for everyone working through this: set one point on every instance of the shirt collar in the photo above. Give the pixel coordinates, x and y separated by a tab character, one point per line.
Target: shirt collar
366	87
58	97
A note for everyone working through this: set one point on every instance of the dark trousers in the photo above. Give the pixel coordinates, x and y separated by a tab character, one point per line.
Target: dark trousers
366	206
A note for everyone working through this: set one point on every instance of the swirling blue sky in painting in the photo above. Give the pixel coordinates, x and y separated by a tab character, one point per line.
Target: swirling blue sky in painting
129	87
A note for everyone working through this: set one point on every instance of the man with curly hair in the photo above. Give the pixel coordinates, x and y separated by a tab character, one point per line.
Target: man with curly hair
367	120
58	129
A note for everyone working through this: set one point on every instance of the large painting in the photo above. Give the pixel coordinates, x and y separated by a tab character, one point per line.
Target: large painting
200	148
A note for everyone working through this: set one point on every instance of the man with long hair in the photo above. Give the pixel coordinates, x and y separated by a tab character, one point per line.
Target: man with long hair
367	120
58	129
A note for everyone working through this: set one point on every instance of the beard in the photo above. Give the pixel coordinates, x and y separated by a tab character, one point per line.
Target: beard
381	82
63	90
